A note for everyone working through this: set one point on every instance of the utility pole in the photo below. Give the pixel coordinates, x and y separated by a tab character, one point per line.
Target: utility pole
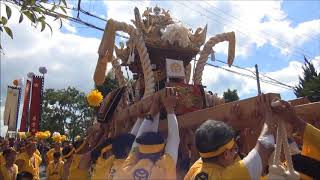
258	81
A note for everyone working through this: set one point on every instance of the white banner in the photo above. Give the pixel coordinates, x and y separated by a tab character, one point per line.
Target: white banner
11	109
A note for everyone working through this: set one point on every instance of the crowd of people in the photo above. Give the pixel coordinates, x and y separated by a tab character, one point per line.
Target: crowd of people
141	152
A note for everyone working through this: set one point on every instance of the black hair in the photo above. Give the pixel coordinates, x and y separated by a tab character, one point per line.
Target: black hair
150	138
24	175
121	145
97	151
306	165
78	143
66	150
213	134
57	155
7	152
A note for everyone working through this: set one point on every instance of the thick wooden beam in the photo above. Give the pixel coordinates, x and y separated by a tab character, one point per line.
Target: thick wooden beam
219	112
299	101
309	112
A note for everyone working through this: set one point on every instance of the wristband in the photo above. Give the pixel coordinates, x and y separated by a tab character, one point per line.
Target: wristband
267	141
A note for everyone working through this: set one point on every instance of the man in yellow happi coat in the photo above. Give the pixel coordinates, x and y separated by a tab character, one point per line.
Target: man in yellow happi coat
9	170
56	148
4	144
122	144
55	167
218	151
311	146
67	153
29	161
81	159
121	147
150	158
104	162
75	172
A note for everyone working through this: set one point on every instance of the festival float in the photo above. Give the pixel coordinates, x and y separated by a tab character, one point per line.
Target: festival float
159	53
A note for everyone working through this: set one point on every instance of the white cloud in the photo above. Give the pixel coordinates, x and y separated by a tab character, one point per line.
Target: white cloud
69	58
219	80
255	23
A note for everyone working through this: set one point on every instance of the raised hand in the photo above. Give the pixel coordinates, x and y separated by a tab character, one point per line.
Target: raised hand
122	115
234	117
146	104
169	100
155	105
284	111
136	110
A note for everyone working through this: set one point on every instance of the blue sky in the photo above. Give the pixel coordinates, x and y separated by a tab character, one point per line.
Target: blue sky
272	34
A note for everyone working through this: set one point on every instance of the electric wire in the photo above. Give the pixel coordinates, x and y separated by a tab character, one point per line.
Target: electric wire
272	82
238	30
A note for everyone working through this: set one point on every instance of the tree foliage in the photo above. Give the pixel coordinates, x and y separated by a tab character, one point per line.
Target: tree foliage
309	84
109	84
66	111
36	11
230	96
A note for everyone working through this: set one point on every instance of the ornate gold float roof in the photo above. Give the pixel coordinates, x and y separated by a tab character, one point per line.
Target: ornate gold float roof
160	31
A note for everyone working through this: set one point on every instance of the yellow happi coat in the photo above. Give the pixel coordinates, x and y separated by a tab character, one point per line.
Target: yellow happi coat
164	168
2	160
102	168
29	166
54	171
311	145
75	172
116	169
212	171
50	154
6	174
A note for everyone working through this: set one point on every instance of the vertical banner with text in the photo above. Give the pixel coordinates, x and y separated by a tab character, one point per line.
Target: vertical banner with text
26	106
35	105
11	110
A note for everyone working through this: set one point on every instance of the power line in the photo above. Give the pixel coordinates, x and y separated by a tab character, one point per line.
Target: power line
119	35
272	82
249	76
268	34
78	20
287	15
240	31
236	66
242	22
276	81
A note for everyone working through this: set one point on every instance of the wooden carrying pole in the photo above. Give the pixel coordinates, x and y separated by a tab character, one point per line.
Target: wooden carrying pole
219	112
307	112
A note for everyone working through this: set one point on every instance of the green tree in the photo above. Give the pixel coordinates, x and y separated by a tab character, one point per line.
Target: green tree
312	89
230	96
66	111
309	84
109	84
36	11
